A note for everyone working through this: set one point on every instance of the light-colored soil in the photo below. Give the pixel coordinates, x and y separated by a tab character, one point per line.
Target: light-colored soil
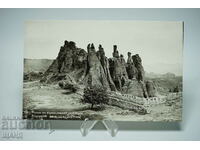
52	98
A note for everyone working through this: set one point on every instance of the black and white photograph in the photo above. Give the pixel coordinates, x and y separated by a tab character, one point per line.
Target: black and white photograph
103	70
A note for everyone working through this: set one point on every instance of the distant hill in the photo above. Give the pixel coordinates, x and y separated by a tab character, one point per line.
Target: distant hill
165	82
163	68
36	65
156	75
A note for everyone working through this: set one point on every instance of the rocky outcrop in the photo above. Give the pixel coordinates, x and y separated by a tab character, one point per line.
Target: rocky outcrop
95	72
115	52
131	69
138	64
105	64
91	67
71	60
64	61
135	85
136	88
118	69
67	85
151	89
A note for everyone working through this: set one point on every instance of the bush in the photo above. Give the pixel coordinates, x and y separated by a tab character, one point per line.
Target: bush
95	96
176	89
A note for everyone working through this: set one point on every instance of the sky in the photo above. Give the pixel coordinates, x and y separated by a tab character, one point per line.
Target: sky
159	44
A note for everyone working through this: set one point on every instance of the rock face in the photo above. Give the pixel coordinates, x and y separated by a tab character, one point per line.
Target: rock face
70	60
118	69
136	88
105	64
151	89
138	64
131	69
95	71
77	66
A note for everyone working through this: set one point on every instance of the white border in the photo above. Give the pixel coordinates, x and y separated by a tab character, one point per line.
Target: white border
100	145
99	4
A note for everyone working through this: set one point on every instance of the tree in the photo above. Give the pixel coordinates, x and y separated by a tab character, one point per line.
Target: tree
95	96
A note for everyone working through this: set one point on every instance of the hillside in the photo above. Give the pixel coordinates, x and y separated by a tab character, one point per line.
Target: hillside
36	65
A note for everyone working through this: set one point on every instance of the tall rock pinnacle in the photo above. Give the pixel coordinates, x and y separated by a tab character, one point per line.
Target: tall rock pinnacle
131	69
96	73
118	69
138	64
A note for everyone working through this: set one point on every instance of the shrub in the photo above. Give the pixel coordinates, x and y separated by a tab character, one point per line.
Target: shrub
176	89
95	96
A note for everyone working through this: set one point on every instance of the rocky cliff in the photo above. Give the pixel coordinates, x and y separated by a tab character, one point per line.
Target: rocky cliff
70	62
117	66
94	68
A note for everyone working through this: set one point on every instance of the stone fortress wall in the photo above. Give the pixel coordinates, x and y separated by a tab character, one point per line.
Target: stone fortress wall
131	102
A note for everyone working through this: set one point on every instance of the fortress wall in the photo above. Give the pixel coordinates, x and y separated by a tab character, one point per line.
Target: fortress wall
127	101
126	105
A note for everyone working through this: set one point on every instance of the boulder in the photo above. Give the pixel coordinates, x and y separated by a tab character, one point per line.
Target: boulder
151	88
67	85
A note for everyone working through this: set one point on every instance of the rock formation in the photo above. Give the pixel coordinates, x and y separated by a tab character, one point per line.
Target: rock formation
138	64
115	52
118	69
95	72
131	69
77	66
70	60
151	89
135	88
105	64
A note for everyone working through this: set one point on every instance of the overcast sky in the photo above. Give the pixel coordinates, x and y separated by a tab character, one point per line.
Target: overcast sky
156	42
